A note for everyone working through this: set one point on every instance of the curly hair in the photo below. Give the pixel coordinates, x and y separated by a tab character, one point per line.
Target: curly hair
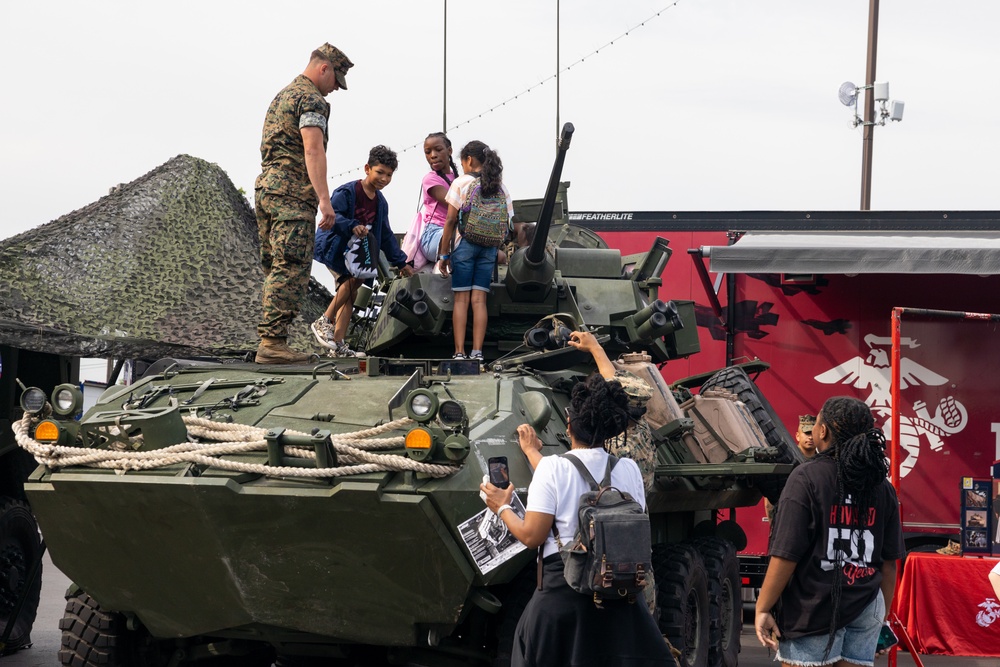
599	410
383	155
451	161
491	174
859	451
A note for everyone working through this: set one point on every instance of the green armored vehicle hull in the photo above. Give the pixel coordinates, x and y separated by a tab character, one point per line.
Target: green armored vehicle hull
240	514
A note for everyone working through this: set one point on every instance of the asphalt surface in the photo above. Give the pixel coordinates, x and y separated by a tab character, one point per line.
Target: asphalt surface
46	636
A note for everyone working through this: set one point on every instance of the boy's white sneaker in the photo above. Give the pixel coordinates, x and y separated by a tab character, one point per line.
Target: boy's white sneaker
323	330
343	350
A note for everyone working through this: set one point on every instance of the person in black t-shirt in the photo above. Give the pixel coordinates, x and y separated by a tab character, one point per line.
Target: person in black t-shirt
834	546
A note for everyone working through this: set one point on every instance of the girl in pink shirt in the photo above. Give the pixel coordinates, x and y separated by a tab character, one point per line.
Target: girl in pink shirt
421	244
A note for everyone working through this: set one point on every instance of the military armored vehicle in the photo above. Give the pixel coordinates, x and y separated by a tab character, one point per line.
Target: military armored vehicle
329	512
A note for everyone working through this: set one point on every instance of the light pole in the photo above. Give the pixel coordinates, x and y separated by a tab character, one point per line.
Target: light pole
868	129
875	92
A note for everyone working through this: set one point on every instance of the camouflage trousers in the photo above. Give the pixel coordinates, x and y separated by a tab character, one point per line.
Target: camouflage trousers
639	447
287	232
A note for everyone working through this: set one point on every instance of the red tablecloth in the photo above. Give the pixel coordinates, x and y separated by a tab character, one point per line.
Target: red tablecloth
947	605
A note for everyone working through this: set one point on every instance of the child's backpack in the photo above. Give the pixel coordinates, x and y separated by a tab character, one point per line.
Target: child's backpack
361	257
611	552
486	222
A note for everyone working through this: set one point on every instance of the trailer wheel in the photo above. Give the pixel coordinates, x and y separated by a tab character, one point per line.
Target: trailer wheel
20	549
682	598
736	381
724	585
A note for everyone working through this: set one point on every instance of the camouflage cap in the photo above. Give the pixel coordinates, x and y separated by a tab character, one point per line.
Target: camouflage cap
637	389
806	423
341	63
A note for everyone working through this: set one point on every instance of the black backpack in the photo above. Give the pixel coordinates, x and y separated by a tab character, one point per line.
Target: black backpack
610	553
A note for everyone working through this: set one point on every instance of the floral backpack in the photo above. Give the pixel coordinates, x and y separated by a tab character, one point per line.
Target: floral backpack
485	222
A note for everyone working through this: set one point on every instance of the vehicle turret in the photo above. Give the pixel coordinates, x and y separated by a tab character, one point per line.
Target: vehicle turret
530	272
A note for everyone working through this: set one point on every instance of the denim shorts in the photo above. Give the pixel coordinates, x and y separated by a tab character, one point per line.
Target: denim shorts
854	642
472	267
430	240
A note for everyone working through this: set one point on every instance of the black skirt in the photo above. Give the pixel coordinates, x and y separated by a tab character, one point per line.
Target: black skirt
562	627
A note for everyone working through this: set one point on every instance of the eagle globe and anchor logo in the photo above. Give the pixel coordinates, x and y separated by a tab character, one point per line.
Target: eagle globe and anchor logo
874	373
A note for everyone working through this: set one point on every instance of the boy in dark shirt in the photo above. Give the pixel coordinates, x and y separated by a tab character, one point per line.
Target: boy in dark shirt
361	209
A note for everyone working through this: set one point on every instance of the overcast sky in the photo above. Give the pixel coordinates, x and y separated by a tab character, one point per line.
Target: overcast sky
712	105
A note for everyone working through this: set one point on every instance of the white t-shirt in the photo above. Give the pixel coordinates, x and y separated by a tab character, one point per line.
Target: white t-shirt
995	570
557	485
460	190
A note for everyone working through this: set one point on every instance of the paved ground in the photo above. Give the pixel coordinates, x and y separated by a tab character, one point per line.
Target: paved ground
46	636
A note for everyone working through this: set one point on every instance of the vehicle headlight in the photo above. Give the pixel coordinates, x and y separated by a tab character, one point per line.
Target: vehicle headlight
33	400
451	413
66	400
421	405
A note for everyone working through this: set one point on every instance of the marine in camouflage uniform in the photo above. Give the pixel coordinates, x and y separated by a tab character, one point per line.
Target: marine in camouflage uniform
638	445
638	442
285	199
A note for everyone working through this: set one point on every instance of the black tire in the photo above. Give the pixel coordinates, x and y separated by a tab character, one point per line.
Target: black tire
725	600
92	636
736	381
682	601
20	549
515	598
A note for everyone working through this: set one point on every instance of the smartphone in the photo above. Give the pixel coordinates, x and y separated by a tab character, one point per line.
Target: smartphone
886	639
499	473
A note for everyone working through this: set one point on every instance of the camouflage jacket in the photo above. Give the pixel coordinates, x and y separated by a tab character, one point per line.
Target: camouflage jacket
282	153
638	442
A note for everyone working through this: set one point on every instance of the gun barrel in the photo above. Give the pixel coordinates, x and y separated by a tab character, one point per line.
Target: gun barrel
536	252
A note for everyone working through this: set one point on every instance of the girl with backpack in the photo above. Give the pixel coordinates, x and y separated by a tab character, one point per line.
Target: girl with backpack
560	626
424	236
834	545
480	207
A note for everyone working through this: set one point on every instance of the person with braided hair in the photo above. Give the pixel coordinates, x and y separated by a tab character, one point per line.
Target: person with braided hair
560	626
834	546
424	236
479	193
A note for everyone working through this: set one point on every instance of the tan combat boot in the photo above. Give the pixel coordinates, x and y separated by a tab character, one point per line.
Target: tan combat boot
276	351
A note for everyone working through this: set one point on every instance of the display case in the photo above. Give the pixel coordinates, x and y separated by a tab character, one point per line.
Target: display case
977	516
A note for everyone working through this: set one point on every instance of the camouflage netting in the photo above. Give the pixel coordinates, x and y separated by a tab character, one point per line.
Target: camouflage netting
167	265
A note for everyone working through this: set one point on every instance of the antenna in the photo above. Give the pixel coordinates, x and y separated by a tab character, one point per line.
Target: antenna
848	94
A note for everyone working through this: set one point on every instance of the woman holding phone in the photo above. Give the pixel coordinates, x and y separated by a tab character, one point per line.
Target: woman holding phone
560	626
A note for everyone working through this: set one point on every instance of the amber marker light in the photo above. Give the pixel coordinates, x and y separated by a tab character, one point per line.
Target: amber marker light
47	431
418	438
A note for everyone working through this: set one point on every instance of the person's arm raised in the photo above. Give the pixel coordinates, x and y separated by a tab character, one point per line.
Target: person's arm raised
587	342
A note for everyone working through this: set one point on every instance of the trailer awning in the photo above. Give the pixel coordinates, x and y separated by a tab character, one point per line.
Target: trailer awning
976	253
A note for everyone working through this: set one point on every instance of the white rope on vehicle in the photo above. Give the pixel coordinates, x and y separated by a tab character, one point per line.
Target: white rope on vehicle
356	450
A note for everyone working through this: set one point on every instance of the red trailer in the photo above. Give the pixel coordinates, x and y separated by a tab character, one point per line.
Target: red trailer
813	295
